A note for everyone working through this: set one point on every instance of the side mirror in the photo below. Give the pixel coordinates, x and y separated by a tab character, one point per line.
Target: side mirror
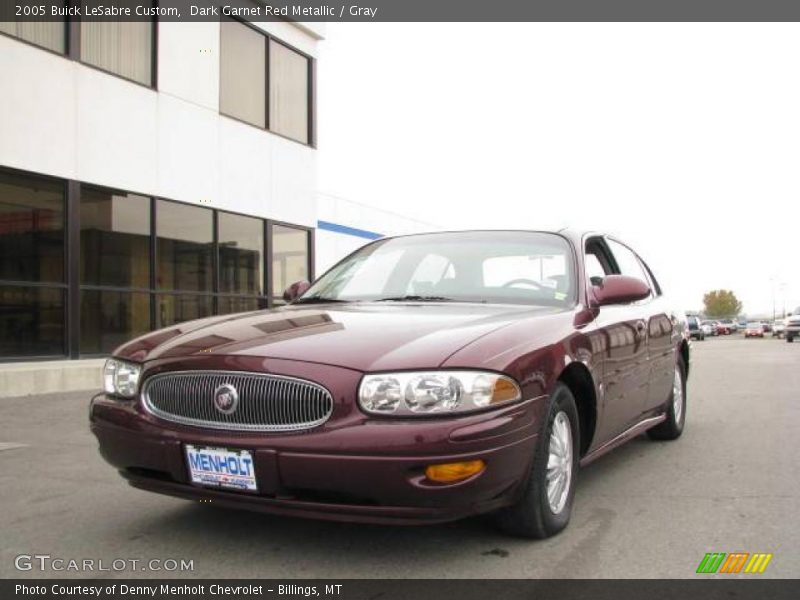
297	289
620	289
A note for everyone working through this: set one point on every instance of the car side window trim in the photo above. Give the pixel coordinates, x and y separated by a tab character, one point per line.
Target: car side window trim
655	290
597	247
654	285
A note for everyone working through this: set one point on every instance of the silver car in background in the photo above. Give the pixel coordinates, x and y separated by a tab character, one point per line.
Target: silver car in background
792	325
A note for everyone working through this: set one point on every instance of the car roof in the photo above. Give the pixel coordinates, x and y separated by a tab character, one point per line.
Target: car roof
573	234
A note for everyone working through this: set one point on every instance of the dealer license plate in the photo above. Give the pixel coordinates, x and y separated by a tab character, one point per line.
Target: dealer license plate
221	468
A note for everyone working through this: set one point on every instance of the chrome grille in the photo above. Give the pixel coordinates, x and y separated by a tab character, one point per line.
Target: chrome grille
266	402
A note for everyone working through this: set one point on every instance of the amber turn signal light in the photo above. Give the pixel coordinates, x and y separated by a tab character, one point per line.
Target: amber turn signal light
504	391
450	472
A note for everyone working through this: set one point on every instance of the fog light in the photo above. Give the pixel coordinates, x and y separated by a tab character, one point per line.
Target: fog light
450	472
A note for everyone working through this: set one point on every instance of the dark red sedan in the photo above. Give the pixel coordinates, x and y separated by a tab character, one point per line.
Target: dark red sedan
423	378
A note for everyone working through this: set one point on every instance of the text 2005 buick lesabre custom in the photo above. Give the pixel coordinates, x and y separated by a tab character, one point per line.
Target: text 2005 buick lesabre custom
423	378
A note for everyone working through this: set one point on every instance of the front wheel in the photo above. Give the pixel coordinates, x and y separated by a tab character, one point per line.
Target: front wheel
789	337
672	427
546	503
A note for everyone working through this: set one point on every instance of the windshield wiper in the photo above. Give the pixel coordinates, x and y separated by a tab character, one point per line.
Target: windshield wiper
411	298
317	300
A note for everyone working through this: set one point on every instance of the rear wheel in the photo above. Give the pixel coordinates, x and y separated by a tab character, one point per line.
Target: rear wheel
546	503
672	427
789	337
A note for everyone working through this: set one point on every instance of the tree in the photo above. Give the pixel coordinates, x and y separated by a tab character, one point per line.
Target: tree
722	303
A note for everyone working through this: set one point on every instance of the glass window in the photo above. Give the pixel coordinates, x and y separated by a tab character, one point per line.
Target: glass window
289	257
241	254
31	321
243	72
534	271
31	229
497	266
626	261
124	48
184	247
430	273
50	34
232	304
653	281
288	92
177	308
109	319
373	273
115	239
594	269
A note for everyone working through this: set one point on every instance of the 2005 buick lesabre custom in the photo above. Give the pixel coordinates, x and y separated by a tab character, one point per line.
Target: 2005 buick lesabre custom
423	378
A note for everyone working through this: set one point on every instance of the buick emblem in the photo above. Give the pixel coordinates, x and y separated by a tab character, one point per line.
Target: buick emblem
226	399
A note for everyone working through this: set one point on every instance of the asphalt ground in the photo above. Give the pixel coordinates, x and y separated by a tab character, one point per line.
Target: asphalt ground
649	509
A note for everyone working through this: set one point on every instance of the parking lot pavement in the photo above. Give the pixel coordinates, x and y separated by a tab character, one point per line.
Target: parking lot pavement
730	484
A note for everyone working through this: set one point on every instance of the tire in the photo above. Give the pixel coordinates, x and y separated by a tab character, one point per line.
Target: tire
672	427
789	337
533	515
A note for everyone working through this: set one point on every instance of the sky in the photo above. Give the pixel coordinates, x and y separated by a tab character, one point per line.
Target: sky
681	139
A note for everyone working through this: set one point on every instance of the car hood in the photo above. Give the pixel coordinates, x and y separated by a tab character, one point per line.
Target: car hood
361	336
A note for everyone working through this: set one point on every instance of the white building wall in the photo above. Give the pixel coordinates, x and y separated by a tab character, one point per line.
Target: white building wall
344	226
66	119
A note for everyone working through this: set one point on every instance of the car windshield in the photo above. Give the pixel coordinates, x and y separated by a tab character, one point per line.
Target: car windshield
493	267
753	325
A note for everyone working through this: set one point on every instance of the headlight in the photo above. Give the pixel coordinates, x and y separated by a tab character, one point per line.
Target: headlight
121	378
435	392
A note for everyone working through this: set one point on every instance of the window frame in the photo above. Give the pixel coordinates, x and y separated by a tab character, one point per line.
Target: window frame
311	100
67	36
263	251
71	286
310	249
64	284
604	256
72	47
115	191
655	290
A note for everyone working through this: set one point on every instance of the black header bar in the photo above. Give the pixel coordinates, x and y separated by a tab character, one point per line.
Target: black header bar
701	587
407	10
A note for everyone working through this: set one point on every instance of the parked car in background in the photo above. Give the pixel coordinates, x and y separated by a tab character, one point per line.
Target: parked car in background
729	325
695	329
711	327
792	327
722	328
778	328
754	329
422	379
767	326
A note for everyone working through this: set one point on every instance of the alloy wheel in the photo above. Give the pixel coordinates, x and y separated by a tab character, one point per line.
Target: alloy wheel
559	463
677	395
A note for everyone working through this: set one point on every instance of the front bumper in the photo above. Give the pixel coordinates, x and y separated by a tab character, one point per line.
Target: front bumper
353	468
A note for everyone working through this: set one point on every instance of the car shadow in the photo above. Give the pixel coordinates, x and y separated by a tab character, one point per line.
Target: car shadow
275	538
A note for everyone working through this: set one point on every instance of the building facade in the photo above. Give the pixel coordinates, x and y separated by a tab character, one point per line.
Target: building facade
150	173
343	226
